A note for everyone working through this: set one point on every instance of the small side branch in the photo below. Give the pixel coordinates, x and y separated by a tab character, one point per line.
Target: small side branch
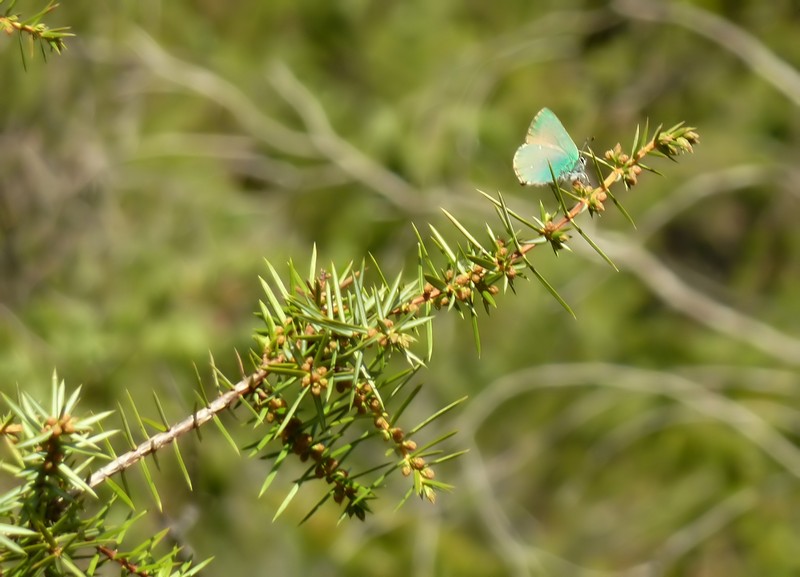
194	421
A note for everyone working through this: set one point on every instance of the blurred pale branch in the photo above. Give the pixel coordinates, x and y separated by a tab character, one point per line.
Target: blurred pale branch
225	94
699	188
246	160
747	47
340	152
693	395
485	475
319	142
705	310
716	518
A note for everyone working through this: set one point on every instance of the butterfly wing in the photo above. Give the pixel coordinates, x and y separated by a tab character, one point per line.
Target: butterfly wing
546	128
547	144
532	163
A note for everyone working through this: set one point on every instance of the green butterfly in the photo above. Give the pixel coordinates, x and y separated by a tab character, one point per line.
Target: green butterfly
547	145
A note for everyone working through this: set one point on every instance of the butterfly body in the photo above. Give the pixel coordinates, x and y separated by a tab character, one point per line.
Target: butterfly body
547	146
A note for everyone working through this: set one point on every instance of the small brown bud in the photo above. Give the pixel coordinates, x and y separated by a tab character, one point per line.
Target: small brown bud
410	445
417	463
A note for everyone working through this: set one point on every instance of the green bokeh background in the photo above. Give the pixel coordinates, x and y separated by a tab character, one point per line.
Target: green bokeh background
147	172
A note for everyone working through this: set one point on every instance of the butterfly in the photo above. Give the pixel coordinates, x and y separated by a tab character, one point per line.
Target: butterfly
547	145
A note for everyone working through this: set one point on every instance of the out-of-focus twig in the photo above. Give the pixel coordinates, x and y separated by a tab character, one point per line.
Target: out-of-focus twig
705	404
332	146
224	93
731	179
749	49
321	142
677	294
243	159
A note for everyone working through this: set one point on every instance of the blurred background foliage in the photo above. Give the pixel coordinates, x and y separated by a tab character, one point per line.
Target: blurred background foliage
146	173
